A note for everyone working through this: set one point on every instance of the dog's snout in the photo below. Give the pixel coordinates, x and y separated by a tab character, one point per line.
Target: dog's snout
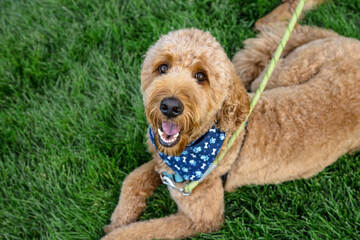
171	107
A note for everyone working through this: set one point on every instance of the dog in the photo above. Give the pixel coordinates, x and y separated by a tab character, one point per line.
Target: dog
307	118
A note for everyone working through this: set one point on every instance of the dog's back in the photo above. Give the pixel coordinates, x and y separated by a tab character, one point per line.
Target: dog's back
310	117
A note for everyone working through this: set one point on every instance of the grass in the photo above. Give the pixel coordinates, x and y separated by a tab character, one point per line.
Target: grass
72	124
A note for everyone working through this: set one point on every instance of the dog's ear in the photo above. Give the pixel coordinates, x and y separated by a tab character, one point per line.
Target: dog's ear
235	107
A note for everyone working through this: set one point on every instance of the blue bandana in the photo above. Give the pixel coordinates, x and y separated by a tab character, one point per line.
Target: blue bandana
197	156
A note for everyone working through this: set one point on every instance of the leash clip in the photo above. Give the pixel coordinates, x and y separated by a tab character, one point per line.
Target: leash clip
169	182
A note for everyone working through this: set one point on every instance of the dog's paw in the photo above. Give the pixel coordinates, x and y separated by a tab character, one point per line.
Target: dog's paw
115	233
109	228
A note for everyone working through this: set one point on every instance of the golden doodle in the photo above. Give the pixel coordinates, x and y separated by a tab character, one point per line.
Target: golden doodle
307	118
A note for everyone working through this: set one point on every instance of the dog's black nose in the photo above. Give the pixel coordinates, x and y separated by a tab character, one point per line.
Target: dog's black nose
171	107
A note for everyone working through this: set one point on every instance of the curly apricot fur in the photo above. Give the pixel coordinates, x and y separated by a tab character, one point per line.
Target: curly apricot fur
304	122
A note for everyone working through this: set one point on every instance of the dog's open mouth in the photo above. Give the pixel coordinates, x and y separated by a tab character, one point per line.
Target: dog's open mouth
169	133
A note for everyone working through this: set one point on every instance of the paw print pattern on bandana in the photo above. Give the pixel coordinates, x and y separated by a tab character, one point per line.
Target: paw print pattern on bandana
197	149
192	163
185	170
222	136
198	173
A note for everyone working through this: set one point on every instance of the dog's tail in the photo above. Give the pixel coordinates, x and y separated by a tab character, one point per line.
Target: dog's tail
257	53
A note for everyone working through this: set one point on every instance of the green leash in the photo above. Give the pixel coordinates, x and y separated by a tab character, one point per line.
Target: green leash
190	186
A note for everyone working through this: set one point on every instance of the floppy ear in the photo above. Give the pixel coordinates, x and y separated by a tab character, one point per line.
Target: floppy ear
236	105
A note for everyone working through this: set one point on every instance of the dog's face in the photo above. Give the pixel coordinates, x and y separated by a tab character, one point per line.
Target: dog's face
185	79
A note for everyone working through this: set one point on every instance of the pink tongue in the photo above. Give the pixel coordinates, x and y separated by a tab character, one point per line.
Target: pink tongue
170	128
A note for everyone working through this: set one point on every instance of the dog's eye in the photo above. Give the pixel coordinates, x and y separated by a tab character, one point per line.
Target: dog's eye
163	68
200	76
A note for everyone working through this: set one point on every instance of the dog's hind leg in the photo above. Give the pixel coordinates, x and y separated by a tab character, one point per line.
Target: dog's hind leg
257	53
202	211
136	188
300	67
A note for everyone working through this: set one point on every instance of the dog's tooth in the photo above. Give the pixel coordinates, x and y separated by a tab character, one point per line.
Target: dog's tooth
171	140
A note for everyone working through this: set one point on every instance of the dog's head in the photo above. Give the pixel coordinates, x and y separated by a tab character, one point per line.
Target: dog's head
188	84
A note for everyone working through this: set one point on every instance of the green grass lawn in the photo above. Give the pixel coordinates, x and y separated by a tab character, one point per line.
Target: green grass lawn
72	122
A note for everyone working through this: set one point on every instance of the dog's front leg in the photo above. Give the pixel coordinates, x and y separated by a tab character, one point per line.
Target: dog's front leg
136	188
202	211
